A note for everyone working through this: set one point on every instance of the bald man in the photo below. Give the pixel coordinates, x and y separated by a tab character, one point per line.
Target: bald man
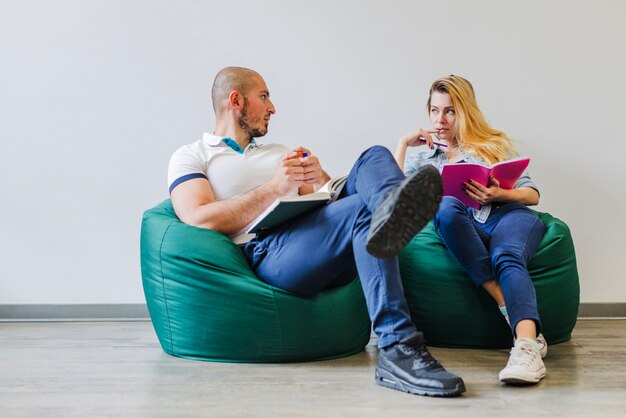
226	179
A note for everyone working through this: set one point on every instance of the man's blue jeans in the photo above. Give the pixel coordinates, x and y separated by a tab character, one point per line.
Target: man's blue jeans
326	248
500	248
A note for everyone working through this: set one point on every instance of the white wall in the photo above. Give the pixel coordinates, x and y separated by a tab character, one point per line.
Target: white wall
96	95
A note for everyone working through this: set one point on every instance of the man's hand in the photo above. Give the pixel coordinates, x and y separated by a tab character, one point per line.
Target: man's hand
289	174
313	173
312	176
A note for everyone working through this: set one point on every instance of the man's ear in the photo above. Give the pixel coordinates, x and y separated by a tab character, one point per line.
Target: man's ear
235	100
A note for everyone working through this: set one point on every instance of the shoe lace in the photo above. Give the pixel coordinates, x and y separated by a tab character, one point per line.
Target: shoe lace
522	355
425	359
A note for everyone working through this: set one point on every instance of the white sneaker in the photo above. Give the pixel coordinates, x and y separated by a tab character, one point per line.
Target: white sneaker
543	345
524	365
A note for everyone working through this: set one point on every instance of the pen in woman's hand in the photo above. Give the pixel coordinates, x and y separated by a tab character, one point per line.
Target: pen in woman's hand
434	142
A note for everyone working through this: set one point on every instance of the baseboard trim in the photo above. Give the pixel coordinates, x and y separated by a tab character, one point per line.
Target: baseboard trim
602	310
139	312
75	312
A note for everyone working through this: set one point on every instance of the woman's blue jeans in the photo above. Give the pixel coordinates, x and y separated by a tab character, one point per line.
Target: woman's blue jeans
500	248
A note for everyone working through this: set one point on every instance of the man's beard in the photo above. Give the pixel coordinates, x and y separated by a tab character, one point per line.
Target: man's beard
244	124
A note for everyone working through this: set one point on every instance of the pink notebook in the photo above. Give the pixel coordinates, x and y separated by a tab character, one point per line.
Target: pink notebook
506	172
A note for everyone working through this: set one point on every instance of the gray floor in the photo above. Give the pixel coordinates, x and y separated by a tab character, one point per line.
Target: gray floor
117	369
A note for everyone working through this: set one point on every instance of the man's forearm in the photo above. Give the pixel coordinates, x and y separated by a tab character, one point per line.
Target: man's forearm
232	215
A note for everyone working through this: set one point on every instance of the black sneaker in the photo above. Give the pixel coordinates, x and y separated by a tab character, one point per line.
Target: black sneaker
414	370
404	211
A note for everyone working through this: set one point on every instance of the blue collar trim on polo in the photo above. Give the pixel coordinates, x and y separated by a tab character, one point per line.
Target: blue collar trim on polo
236	147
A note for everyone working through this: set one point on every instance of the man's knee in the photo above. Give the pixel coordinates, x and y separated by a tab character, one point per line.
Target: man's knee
377	151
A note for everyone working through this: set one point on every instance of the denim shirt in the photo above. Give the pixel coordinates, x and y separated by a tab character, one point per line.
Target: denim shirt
436	157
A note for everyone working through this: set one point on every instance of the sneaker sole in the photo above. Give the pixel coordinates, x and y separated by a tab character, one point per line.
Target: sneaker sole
523	378
417	204
387	380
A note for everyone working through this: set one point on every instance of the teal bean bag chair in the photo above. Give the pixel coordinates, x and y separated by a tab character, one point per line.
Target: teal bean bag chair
453	312
206	303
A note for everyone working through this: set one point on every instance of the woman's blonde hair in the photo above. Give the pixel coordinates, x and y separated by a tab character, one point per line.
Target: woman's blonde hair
474	135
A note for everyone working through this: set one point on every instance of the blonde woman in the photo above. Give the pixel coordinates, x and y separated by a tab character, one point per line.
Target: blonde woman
495	242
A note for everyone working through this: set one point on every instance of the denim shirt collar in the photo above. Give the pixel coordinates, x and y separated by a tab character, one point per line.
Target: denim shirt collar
425	153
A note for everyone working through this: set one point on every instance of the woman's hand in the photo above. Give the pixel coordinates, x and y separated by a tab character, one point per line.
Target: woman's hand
494	193
414	139
419	137
483	194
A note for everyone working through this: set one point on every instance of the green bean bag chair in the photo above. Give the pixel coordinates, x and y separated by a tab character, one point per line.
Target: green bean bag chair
206	303
453	312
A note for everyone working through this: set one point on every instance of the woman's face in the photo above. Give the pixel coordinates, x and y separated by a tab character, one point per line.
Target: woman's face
443	116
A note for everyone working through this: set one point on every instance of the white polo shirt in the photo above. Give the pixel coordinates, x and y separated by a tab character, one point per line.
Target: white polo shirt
230	170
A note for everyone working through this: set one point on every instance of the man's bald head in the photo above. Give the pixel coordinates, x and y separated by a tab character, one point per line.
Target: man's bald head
229	79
